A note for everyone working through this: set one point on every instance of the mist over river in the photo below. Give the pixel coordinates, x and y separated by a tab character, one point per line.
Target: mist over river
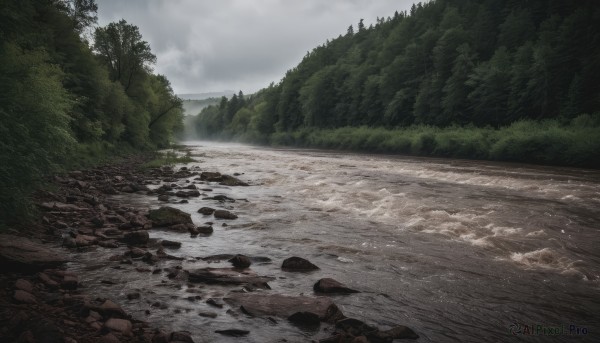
460	251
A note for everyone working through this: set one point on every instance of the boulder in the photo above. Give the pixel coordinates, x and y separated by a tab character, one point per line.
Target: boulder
24	285
397	332
206	211
215	302
220	198
285	306
170	244
233	332
85	240
228	180
328	285
181	336
297	264
240	261
211	176
305	318
224	214
168	216
18	253
205	229
138	237
109	308
24	297
355	327
121	325
163	197
189	193
228	276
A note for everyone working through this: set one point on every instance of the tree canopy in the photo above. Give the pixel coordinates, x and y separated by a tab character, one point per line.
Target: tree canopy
63	102
443	63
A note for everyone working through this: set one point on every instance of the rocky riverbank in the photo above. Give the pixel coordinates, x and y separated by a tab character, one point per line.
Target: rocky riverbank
43	301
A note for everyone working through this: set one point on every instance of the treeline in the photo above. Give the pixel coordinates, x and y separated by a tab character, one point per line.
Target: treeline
443	64
67	101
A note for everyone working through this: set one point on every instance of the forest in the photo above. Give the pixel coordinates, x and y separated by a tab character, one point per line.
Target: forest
495	79
72	94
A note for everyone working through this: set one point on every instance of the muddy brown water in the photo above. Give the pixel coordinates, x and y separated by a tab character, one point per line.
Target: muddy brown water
460	251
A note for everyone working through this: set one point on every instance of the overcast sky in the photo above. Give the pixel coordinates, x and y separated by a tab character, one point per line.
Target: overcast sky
215	45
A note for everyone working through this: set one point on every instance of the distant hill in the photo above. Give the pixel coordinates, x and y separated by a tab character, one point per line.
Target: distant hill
193	107
494	79
202	96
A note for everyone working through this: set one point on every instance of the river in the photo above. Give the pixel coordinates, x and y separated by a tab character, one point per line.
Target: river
460	251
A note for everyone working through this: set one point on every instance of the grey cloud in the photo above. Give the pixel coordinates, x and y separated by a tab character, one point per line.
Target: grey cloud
204	46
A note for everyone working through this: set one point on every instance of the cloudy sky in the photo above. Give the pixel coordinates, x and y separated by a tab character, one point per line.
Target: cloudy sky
216	45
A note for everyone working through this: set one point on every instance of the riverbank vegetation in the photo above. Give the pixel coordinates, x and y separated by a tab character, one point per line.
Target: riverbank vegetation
71	97
500	80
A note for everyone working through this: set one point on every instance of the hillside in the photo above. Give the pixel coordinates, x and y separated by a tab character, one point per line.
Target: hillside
506	80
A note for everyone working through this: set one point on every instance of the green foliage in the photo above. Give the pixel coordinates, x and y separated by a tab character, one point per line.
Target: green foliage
34	125
169	158
547	142
63	105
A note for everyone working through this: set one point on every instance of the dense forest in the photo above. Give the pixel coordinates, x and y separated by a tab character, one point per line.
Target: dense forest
72	93
494	79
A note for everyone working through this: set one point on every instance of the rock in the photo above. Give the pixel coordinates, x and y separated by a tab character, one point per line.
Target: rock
233	332
305	318
48	281
208	314
109	308
220	198
215	302
328	285
299	264
398	332
170	244
228	180
181	336
24	297
285	306
163	197
85	240
21	254
69	282
139	237
58	206
207	211
132	296
211	176
98	221
168	216
224	214
228	276
205	229
121	325
26	337
355	327
240	261
360	339
24	285
136	252
111	244
109	338
186	194
160	337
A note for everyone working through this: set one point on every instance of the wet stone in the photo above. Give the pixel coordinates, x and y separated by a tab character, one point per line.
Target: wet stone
295	263
240	261
224	214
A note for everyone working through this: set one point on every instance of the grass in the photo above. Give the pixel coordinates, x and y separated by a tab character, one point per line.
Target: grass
572	143
168	158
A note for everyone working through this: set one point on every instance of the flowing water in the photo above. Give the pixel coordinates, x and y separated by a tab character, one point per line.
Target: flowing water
460	251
